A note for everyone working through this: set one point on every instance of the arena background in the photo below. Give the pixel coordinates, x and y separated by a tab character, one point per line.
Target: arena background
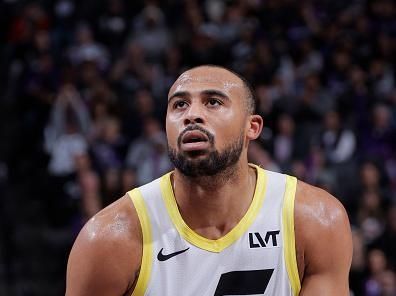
83	88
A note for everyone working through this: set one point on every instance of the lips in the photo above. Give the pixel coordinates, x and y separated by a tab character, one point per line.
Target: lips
194	137
194	140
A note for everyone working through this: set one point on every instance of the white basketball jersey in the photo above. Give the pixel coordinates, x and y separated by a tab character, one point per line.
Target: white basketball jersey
257	257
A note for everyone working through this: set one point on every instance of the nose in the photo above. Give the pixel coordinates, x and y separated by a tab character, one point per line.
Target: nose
194	114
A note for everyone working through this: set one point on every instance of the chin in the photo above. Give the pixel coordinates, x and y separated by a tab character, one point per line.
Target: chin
196	154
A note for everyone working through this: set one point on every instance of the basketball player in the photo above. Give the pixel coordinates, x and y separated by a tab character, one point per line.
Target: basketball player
216	225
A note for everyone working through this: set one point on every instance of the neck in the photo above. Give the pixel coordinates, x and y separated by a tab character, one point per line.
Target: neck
213	205
210	183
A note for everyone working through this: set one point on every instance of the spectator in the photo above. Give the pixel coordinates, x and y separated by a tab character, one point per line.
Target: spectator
148	154
113	26
111	185
109	147
86	49
387	241
284	141
370	216
317	172
377	266
89	185
311	61
128	179
87	189
338	142
151	33
144	106
370	176
381	77
377	141
388	283
65	136
261	157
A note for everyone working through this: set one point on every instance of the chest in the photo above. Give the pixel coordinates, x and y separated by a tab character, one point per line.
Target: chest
255	258
252	265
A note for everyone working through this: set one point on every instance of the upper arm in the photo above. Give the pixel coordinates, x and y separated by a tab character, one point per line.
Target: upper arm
323	230
104	259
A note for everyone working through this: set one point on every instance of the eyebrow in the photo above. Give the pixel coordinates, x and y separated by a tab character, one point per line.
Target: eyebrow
215	92
207	92
179	94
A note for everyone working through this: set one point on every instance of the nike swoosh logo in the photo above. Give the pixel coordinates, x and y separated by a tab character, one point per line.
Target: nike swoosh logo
164	257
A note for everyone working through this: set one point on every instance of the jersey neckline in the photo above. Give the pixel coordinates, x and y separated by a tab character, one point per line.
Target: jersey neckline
233	235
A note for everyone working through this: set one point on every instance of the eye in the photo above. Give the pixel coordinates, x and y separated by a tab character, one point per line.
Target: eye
214	102
179	104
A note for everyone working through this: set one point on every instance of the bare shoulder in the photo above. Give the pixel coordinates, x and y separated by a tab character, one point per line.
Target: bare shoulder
106	255
318	207
117	223
323	239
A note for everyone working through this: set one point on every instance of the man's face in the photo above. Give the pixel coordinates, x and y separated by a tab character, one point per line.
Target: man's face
206	121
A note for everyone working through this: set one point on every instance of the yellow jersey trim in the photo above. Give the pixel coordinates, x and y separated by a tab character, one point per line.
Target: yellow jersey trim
289	235
202	242
146	265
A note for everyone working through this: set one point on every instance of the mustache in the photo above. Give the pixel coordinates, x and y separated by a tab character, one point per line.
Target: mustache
195	127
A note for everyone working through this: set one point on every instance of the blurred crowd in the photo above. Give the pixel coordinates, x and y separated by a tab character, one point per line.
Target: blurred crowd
83	100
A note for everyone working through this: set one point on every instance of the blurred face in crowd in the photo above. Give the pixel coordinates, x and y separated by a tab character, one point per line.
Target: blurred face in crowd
286	125
111	130
382	117
388	283
376	261
332	120
370	175
207	121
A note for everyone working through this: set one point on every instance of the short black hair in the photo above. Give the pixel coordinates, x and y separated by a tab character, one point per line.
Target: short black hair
251	98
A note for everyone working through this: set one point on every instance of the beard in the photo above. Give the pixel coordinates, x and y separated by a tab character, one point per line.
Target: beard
214	163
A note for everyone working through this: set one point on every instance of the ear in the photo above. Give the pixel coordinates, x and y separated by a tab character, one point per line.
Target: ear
255	125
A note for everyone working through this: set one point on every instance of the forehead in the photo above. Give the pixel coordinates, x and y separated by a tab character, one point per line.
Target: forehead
202	78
